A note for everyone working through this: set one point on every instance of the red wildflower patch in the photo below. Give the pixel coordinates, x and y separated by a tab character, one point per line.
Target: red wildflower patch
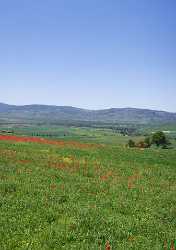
24	161
64	165
132	180
45	141
108	247
172	245
106	176
57	165
53	186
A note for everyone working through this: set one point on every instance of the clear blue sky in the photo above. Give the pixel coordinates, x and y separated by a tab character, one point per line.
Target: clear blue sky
89	53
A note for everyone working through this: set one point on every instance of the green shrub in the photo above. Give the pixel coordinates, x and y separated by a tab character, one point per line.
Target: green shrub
131	144
147	141
159	139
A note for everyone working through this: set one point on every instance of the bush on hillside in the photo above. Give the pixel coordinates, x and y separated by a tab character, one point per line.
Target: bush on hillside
148	141
159	139
131	144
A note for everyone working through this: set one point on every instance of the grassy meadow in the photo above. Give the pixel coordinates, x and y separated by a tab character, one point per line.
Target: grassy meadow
82	195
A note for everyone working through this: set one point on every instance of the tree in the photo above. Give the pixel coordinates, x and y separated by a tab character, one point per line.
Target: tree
147	142
131	144
159	139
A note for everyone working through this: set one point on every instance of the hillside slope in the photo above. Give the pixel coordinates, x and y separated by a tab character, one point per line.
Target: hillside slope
61	113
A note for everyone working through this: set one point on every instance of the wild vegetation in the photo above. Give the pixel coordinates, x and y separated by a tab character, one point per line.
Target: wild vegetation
85	191
158	138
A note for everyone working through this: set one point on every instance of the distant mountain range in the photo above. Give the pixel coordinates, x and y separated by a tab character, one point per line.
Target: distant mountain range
66	113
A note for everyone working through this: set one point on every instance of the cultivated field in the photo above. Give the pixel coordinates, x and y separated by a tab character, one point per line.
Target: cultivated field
76	195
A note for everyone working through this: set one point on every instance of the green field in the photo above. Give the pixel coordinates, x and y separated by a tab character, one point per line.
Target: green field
80	197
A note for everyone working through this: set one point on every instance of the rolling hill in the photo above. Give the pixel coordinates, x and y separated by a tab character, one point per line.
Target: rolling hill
68	113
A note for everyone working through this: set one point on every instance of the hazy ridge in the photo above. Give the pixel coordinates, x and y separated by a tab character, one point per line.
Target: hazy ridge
56	113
